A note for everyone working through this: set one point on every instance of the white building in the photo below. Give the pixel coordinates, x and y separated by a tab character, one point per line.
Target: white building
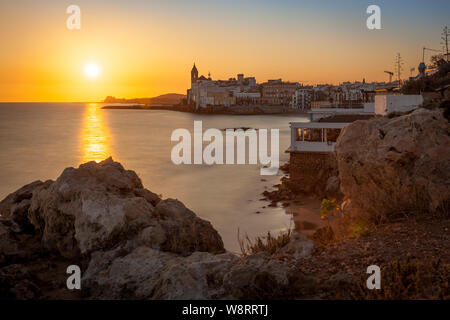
207	92
301	99
314	136
390	103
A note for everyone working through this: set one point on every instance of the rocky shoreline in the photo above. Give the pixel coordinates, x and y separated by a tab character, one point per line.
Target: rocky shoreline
385	219
131	244
231	110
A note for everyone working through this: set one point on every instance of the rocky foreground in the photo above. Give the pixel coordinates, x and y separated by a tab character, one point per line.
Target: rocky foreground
394	178
395	166
131	244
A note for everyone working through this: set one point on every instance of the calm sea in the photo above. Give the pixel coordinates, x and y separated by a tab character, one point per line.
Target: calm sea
39	140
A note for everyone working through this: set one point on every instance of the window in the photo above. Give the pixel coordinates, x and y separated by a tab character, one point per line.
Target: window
312	134
299	134
332	134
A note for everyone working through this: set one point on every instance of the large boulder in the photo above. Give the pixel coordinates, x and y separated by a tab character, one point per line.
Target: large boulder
259	276
129	244
391	166
185	233
298	246
147	273
99	205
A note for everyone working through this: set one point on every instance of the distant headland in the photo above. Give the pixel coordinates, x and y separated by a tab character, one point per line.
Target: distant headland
177	102
168	99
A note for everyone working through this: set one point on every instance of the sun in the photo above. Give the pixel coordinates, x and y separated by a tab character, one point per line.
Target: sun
92	70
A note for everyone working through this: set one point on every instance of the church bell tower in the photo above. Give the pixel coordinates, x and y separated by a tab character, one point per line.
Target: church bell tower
194	74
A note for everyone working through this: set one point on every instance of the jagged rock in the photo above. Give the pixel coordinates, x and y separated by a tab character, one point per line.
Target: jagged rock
200	276
16	204
389	166
258	277
153	236
128	242
15	244
185	232
151	274
100	205
147	273
332	189
15	283
124	276
298	246
8	244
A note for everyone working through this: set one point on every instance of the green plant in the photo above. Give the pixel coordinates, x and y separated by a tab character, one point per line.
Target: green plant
329	208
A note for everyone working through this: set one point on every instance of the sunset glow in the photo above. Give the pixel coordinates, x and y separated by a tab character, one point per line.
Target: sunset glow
147	48
224	158
95	144
92	70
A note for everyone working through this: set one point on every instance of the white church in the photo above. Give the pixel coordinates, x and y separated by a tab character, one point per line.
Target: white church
207	92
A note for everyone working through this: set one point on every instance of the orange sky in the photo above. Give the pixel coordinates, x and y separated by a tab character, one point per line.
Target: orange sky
146	48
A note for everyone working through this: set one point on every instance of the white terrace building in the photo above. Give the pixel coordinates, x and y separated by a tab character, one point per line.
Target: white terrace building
311	154
312	161
314	136
321	135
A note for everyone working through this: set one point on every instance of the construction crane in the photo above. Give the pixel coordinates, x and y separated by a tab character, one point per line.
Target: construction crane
390	73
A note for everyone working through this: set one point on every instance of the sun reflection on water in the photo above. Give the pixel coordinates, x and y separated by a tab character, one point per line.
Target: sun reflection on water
95	136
